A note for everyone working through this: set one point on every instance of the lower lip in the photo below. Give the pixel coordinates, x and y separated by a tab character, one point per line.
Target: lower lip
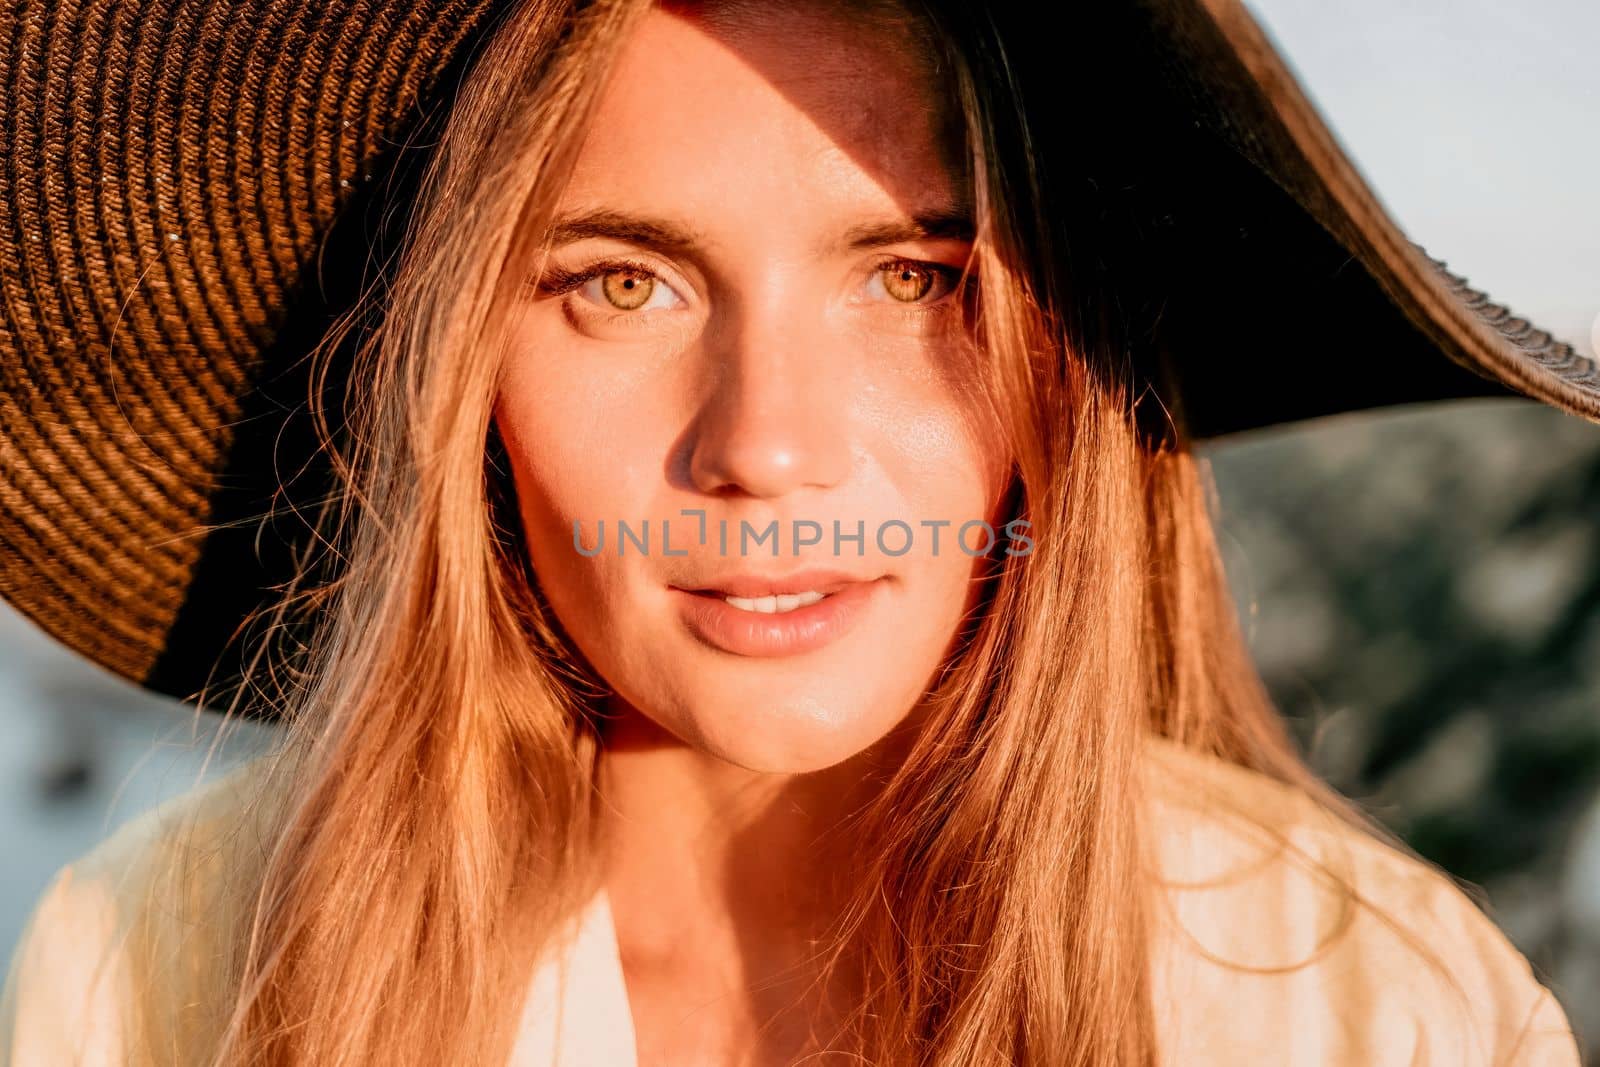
751	633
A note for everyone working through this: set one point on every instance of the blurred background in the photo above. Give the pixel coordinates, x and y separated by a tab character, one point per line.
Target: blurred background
1421	586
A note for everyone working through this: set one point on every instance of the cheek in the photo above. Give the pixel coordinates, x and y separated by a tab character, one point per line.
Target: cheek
931	438
551	457
582	448
582	444
948	474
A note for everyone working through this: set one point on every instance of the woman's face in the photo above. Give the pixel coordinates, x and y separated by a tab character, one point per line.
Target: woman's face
749	317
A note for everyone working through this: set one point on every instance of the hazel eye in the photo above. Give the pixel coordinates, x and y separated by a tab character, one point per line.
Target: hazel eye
907	284
910	282
629	289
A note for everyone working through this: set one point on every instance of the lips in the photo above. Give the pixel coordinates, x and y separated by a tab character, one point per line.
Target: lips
752	615
754	586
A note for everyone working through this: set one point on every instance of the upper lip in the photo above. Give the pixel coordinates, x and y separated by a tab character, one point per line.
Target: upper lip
760	585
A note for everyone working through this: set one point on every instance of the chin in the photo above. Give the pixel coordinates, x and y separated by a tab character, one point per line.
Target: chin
791	734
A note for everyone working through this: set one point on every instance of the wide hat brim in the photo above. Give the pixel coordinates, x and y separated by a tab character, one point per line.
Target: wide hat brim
191	189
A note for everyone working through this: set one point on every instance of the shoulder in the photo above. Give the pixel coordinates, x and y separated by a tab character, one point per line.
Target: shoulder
142	898
1338	947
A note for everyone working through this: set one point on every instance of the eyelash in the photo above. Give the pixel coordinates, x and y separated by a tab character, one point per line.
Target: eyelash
559	282
920	313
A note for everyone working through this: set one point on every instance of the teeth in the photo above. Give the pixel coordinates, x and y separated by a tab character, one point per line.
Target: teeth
775	605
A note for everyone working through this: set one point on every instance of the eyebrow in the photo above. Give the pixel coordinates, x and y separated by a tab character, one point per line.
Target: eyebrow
943	224
658	234
670	237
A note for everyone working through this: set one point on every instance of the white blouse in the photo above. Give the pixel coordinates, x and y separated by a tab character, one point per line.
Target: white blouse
1241	972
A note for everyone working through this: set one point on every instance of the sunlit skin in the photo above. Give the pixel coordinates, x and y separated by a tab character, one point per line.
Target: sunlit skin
796	355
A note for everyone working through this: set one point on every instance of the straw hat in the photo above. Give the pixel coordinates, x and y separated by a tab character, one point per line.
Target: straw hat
190	189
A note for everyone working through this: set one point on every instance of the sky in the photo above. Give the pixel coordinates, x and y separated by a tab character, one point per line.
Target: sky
1478	124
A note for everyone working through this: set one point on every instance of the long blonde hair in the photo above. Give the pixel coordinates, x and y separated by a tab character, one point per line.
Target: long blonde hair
438	768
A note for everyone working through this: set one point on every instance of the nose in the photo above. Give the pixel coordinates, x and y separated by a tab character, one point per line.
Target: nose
773	419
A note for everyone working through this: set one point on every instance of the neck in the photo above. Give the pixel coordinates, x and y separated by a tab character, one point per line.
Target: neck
723	881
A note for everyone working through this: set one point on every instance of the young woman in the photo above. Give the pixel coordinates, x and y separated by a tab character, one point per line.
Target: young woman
770	612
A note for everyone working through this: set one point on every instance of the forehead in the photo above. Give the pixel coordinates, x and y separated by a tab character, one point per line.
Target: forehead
796	109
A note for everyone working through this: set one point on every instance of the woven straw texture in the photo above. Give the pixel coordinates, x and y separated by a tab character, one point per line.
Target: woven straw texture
169	168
